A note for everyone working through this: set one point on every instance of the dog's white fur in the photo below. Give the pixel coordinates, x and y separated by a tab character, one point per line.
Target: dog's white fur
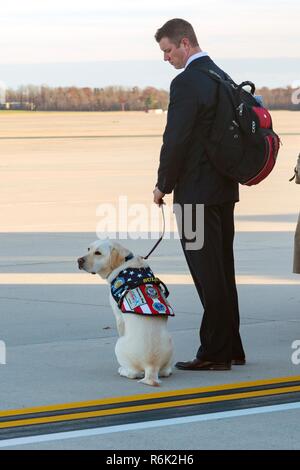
144	349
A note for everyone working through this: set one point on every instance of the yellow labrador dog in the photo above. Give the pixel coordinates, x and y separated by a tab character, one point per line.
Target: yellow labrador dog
144	349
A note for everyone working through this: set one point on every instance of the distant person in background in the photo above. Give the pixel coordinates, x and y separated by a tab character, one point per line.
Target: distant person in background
297	248
296	268
185	168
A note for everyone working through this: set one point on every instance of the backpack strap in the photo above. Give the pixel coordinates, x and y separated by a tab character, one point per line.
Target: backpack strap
215	76
251	84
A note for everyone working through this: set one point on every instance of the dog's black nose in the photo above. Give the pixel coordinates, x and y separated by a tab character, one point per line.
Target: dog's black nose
80	262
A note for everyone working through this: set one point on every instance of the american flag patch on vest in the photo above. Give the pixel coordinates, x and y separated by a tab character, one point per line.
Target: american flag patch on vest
136	290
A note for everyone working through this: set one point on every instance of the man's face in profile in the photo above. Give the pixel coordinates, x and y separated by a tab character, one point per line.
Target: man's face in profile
177	56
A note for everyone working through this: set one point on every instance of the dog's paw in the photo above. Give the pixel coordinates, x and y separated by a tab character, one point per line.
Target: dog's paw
150	381
165	372
130	374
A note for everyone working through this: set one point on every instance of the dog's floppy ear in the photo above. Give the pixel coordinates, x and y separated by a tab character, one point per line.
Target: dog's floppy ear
117	257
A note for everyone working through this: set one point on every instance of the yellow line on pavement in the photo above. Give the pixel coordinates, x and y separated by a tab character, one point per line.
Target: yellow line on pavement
149	407
148	396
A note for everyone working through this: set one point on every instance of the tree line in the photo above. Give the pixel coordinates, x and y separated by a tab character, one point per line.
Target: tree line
111	98
116	98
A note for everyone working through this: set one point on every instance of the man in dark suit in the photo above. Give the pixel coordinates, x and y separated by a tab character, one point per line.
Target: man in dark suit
185	169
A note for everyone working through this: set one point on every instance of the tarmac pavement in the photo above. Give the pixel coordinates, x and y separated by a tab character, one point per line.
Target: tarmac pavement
60	333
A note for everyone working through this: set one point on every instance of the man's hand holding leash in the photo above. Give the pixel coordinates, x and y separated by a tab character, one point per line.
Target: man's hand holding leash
158	196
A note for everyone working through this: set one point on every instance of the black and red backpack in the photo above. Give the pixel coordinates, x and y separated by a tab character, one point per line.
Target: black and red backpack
241	144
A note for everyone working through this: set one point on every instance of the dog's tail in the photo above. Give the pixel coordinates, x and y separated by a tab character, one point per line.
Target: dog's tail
151	377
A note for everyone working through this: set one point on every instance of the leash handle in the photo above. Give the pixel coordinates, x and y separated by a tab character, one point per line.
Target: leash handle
162	235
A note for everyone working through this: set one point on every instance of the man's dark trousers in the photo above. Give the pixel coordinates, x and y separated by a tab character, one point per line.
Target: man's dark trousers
212	269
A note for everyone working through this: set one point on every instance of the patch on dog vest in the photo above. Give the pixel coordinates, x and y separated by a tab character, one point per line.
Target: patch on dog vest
137	290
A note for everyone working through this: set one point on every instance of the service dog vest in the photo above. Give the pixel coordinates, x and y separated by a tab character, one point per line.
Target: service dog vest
137	290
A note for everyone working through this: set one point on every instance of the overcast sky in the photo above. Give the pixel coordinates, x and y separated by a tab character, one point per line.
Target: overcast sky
52	31
76	30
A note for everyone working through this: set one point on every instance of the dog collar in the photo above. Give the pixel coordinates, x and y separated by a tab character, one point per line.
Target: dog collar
128	257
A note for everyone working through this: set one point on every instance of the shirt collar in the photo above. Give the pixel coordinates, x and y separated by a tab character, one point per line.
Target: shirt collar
195	56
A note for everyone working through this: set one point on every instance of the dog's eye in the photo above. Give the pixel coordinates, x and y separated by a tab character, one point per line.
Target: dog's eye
97	253
88	249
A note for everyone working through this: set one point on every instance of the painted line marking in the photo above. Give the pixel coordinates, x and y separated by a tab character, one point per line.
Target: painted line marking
149	407
147	425
108	136
149	396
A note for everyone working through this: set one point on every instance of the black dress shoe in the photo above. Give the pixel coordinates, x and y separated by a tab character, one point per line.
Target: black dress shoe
199	364
238	362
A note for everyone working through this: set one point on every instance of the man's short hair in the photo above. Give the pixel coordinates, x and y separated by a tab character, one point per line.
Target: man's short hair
176	30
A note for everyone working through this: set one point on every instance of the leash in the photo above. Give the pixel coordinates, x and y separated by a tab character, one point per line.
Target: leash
162	235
